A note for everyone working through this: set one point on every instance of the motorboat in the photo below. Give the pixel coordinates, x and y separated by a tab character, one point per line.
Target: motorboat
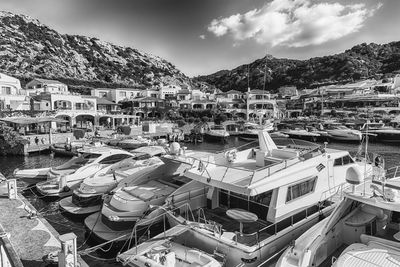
260	199
135	205
32	176
362	231
93	160
216	133
339	132
297	131
381	132
135	201
250	130
87	198
168	249
70	149
323	135
133	143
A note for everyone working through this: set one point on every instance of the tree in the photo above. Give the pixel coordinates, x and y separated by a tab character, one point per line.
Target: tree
220	118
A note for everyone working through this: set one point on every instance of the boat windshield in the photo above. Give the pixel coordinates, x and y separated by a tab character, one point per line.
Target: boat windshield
89	157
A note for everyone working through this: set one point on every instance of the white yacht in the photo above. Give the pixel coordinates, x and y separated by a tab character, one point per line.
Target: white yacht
262	198
364	230
135	201
339	132
298	131
88	197
250	130
382	132
92	161
216	133
33	176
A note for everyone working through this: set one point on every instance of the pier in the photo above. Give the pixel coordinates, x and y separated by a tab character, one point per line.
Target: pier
30	236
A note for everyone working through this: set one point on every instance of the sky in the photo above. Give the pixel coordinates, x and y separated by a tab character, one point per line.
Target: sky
204	36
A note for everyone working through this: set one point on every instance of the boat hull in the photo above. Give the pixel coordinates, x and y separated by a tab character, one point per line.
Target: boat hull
101	232
67	205
32	176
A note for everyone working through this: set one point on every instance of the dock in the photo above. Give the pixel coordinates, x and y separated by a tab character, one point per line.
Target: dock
31	237
37	148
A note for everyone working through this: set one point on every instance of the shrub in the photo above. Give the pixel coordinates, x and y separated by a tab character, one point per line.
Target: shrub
180	123
205	119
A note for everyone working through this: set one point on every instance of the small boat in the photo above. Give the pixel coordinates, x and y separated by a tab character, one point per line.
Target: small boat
250	131
382	133
339	132
93	160
216	133
297	131
33	176
168	249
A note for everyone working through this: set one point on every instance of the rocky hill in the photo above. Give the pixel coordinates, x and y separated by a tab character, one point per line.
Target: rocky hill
30	49
361	61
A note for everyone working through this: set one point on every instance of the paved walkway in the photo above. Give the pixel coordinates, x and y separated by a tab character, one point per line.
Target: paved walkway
32	238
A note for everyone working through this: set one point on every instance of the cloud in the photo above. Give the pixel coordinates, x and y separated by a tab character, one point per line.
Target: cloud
203	37
294	23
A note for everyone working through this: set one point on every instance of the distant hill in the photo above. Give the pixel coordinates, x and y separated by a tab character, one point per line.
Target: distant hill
30	49
361	61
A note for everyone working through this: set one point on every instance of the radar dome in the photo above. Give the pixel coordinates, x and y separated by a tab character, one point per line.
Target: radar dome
354	176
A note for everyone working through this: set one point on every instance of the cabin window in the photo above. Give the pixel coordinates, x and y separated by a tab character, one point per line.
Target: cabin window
300	189
338	162
343	161
257	204
114	158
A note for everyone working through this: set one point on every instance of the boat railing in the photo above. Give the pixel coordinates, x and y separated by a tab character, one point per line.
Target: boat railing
146	233
275	228
392	172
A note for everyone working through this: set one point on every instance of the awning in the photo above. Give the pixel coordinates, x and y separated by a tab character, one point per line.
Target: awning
30	120
103	101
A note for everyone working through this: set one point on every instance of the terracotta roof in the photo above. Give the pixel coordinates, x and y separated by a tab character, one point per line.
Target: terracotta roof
103	101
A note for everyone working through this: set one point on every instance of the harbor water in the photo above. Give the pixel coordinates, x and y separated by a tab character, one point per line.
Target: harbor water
64	224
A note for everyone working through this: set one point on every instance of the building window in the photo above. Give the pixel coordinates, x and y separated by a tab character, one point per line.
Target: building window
300	189
6	90
258	96
122	94
103	94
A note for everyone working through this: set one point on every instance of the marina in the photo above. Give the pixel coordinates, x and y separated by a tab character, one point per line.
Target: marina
262	134
63	223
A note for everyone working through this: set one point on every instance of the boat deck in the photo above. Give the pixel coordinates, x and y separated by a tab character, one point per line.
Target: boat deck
229	225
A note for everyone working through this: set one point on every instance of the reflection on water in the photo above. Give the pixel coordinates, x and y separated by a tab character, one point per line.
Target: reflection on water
64	224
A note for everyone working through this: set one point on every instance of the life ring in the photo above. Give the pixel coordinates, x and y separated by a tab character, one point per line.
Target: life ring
231	155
